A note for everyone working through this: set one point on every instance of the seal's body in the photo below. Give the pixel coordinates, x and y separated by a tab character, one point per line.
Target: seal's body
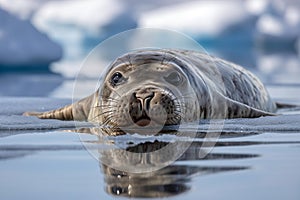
168	86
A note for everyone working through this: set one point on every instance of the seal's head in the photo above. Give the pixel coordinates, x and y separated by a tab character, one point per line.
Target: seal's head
144	89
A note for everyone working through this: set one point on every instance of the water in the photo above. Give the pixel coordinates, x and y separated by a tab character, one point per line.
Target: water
253	158
55	164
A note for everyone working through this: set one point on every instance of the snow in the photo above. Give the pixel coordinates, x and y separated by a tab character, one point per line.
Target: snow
23	45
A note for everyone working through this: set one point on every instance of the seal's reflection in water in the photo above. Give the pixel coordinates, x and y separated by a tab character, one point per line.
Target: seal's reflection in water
170	180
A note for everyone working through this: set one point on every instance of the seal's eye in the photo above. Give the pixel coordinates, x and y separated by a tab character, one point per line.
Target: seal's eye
116	78
174	78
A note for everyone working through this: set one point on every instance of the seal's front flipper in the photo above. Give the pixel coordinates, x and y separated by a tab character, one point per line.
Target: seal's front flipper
77	111
64	113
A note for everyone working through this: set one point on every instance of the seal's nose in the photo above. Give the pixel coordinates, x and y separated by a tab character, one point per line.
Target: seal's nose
144	97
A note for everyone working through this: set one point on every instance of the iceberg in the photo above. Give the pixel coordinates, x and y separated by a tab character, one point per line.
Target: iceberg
22	45
81	25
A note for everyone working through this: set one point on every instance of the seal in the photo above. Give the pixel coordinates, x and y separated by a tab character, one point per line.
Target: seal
165	86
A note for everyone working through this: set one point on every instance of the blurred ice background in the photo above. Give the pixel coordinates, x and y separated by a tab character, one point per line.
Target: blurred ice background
43	42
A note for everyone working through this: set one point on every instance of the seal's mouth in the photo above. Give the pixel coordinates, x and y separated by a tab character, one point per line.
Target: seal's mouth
143	120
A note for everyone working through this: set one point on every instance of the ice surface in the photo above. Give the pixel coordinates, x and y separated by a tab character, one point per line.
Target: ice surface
23	45
12	108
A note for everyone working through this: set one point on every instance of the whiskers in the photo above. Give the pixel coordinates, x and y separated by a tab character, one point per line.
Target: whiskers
181	109
106	109
113	113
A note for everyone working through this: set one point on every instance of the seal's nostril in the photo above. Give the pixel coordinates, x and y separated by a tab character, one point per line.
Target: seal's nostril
144	98
147	102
